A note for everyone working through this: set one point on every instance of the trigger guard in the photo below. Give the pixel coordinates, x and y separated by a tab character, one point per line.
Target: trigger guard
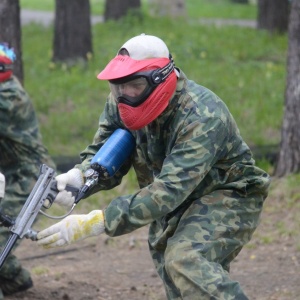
49	200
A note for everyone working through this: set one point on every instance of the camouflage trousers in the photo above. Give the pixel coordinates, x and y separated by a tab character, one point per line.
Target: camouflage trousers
192	250
17	190
20	179
11	265
19	183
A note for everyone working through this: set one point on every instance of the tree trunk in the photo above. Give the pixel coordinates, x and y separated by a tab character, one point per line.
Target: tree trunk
171	8
273	15
240	1
72	31
289	155
117	9
10	32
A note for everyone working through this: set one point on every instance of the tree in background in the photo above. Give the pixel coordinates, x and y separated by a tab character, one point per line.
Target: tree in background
117	9
273	15
72	31
172	8
10	32
240	1
289	154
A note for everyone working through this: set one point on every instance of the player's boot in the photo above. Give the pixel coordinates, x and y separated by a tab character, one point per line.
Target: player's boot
13	277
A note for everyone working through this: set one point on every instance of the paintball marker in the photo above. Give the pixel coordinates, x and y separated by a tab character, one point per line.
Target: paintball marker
41	196
104	165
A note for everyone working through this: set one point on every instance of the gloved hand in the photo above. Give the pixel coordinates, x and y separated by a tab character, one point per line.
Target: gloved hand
73	177
2	185
71	229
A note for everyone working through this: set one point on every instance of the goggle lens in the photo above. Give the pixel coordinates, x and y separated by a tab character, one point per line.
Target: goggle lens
132	90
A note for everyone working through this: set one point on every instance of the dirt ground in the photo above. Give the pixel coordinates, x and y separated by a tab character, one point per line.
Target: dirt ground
121	268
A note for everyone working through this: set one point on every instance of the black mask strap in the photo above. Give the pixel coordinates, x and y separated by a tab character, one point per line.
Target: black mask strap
161	74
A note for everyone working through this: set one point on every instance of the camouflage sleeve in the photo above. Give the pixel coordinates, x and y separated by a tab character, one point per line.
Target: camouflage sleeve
20	138
197	148
21	147
109	121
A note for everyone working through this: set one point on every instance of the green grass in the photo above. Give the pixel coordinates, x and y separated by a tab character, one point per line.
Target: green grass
245	67
97	6
220	9
195	9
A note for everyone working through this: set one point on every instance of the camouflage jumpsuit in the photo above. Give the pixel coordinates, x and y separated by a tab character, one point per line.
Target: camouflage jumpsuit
199	190
22	152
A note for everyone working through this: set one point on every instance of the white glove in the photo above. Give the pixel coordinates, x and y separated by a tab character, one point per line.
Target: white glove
73	177
2	185
71	229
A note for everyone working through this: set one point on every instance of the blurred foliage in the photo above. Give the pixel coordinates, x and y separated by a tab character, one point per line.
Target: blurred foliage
195	9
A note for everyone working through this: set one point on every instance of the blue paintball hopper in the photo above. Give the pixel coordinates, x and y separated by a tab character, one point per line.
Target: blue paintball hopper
108	160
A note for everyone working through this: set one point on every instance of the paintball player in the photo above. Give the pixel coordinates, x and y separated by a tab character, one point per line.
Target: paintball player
22	153
200	191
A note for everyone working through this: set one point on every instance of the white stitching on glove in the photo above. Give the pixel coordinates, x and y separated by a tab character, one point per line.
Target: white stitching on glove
71	229
73	177
2	185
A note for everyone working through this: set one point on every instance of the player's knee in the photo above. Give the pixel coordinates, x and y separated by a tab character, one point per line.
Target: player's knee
177	263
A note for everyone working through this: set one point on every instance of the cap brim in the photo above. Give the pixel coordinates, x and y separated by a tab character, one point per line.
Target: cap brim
123	65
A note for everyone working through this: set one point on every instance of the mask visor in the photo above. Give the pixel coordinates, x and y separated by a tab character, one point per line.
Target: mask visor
132	90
